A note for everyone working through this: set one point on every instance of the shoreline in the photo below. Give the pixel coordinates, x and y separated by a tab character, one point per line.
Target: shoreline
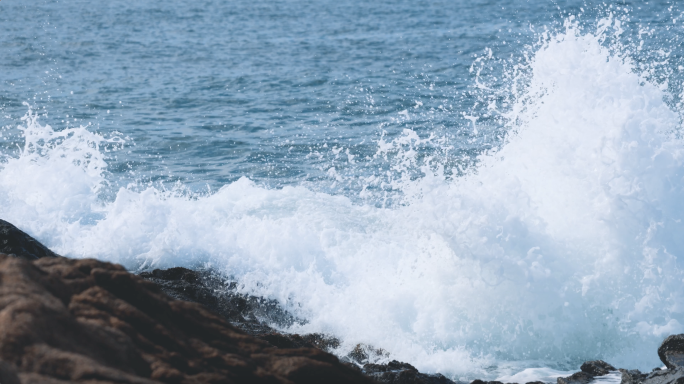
243	317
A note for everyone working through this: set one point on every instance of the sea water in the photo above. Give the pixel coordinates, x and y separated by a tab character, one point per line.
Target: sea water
481	189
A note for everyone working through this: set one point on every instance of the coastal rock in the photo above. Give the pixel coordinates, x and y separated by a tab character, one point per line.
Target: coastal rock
671	351
658	376
86	321
363	354
576	378
396	372
588	371
597	368
250	314
632	376
499	382
14	241
665	376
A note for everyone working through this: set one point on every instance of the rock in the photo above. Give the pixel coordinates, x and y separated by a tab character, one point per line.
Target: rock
499	382
86	321
311	340
15	241
588	371
665	376
671	351
8	374
363	354
658	376
576	378
396	372
251	314
597	368
633	376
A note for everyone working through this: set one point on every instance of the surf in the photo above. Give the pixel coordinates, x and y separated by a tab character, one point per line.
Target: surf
561	245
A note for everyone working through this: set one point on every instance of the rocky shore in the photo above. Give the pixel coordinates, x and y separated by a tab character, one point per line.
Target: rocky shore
86	321
251	314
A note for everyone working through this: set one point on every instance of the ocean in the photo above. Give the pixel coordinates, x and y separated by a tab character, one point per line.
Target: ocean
484	189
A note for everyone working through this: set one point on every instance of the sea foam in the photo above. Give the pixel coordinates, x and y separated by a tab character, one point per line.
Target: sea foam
563	245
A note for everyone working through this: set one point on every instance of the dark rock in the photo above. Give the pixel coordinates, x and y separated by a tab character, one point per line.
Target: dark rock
396	372
597	368
589	370
86	321
671	351
660	376
389	367
535	382
633	376
16	242
665	376
363	354
312	340
498	382
251	314
576	378
8	374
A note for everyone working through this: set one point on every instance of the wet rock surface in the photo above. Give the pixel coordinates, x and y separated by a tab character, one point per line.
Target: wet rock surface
588	372
249	313
499	382
597	368
658	376
396	372
671	351
14	241
593	369
86	321
577	378
252	314
632	376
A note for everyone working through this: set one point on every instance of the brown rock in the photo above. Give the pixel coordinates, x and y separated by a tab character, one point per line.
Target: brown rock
86	321
16	242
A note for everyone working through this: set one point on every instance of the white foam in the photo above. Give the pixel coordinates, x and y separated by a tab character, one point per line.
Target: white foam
562	246
546	375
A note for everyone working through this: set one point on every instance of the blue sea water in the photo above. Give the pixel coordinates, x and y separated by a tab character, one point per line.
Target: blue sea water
485	189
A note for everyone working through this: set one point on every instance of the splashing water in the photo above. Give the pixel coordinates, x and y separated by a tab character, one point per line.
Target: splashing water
563	245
